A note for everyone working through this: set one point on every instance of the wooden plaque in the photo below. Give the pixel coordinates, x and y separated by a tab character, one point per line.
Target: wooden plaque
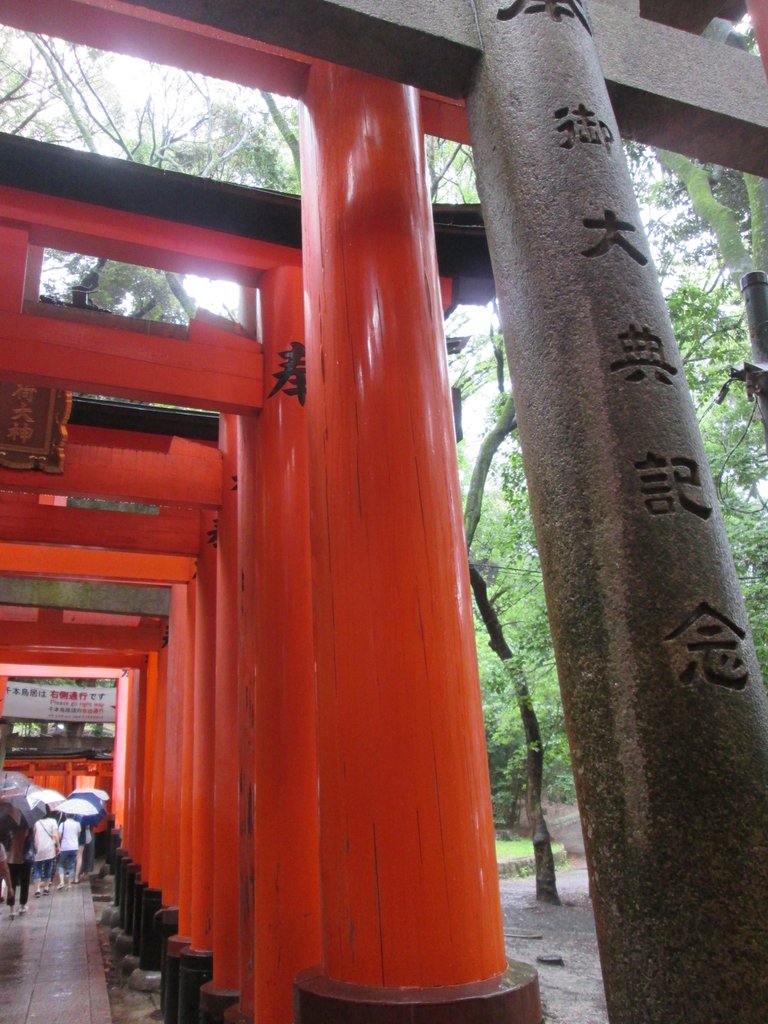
33	429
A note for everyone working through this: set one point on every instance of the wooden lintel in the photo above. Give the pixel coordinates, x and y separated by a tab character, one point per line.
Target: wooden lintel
84	563
114	659
171	532
213	369
146	240
36	671
188	474
76	637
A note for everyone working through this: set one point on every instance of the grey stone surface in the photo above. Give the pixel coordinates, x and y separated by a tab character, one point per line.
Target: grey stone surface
669	745
144	981
691	15
416	41
110	916
103	597
129	964
678	91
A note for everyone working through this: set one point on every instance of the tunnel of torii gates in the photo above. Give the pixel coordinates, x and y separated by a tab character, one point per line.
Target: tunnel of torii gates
295	617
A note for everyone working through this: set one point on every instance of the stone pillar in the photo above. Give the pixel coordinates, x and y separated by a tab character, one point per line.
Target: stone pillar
287	919
665	707
408	870
222	990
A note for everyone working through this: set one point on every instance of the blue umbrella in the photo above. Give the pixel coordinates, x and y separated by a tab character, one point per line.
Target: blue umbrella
89	810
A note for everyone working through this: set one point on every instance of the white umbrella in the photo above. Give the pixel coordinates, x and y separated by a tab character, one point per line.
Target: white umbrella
89	809
100	793
43	795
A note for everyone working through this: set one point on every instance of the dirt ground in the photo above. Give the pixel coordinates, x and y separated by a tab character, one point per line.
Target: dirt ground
569	977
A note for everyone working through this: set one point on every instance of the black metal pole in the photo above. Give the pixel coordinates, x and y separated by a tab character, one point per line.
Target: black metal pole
754	288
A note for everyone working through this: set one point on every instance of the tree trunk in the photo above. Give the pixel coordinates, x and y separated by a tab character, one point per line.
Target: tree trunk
546	881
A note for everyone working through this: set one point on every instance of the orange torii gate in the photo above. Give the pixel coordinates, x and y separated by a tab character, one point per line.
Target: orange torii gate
399	916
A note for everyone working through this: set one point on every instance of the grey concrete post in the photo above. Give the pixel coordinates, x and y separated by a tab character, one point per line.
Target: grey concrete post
666	709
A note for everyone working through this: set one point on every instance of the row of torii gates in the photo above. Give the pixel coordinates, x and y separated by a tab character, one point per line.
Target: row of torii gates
295	616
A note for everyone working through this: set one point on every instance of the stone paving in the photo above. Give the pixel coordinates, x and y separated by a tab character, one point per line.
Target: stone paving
51	968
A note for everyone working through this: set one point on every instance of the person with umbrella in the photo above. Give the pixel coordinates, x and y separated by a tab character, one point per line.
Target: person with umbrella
21	857
88	810
46	843
5	876
69	836
17	816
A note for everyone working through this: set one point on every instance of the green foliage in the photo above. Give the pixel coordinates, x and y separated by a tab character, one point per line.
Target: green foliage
85	99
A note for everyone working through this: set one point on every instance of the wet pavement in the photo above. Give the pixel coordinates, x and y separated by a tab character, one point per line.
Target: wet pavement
51	968
58	967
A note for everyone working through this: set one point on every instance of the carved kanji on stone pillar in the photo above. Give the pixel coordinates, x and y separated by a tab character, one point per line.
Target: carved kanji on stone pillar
665	706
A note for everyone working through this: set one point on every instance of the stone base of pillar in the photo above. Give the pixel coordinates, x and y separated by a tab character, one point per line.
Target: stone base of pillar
214	1002
235	1015
144	981
129	964
150	944
139	889
166	925
123	943
173	950
512	998
195	970
110	917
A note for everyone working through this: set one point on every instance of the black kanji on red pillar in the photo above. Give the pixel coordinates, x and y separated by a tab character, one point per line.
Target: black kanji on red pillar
292	376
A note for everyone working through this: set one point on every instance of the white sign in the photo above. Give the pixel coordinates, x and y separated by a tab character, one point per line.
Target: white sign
58	704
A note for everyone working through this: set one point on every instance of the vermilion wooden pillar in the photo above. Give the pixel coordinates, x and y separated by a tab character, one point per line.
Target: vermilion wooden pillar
187	762
157	824
409	879
148	793
13	267
243	862
287	881
758	12
197	961
119	751
139	744
203	777
222	990
130	835
178	627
